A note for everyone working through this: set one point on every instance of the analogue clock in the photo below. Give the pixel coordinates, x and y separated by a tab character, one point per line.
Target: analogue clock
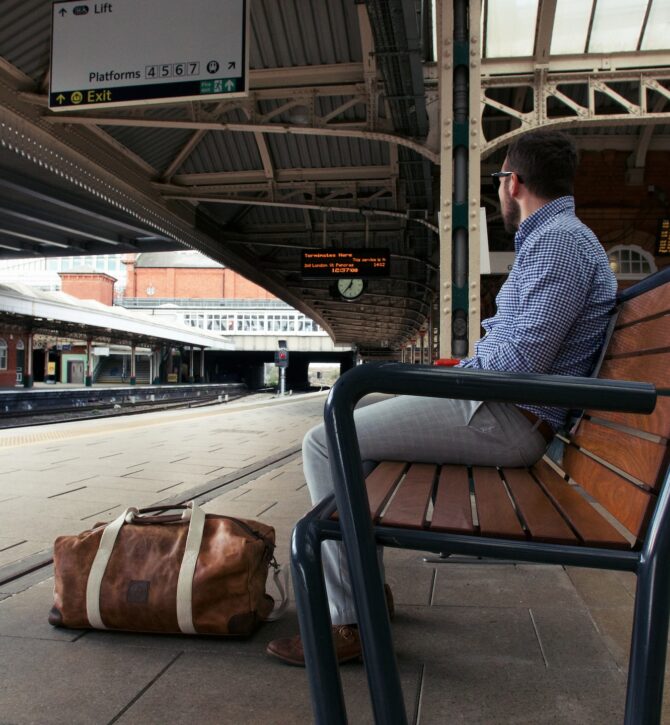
350	288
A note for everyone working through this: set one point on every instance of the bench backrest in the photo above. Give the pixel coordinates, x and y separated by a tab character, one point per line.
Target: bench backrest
620	458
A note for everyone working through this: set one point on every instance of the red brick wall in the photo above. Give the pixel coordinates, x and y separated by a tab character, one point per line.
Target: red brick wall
238	287
191	283
89	286
617	212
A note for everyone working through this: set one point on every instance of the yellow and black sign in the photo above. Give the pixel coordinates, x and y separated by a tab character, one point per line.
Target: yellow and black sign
332	263
663	238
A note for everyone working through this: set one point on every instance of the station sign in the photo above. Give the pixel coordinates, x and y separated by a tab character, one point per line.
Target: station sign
663	238
128	52
334	263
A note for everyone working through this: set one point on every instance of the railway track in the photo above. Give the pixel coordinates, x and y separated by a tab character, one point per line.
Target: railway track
108	410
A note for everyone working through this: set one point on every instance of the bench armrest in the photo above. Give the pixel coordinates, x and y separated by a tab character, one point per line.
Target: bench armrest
463	383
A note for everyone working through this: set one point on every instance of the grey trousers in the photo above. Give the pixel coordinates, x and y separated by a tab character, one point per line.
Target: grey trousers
428	430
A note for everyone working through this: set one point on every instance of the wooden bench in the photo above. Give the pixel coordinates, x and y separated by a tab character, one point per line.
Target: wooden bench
607	505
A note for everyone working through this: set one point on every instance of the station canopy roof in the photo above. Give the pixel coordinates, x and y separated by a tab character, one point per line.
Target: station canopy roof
58	314
337	143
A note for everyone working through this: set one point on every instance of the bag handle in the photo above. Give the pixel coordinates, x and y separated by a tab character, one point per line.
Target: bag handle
196	517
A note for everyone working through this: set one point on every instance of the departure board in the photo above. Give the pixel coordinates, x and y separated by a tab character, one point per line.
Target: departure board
334	263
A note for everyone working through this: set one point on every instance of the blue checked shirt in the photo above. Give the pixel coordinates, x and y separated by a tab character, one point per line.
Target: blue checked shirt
554	307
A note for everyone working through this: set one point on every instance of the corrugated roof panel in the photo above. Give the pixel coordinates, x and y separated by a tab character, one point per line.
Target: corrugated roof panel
303	32
269	215
157	146
291	151
25	35
223	151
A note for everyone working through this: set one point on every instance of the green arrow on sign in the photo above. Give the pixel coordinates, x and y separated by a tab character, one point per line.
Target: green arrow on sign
230	85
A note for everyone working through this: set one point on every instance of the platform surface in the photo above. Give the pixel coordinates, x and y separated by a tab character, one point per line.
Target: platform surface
477	641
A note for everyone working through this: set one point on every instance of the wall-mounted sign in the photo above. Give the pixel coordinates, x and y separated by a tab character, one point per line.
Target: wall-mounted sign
663	238
332	263
126	52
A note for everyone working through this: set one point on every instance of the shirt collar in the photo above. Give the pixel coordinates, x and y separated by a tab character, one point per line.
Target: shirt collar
542	215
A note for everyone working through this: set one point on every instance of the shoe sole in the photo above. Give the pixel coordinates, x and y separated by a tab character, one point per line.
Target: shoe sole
301	663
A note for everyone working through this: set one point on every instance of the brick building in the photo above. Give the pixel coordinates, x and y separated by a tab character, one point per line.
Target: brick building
89	285
186	275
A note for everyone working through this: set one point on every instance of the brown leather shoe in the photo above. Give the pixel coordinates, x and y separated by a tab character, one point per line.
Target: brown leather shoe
345	638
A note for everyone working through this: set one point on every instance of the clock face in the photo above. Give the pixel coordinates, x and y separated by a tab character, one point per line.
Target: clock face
350	288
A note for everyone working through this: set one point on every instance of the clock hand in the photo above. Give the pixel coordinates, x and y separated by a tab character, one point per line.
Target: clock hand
351	281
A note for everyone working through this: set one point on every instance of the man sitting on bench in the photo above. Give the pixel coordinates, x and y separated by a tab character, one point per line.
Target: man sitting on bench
552	315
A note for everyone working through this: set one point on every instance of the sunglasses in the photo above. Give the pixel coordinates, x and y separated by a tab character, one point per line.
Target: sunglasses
495	177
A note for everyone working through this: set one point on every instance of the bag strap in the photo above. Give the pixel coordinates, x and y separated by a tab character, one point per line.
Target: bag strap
280	578
107	541
196	517
187	568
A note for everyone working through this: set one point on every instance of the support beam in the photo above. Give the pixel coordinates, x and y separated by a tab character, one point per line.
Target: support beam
546	13
245	127
445	24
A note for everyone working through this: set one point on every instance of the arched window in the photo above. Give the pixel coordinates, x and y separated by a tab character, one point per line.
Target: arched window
3	354
630	262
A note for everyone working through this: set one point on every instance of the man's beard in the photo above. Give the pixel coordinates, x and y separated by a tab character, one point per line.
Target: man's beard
511	215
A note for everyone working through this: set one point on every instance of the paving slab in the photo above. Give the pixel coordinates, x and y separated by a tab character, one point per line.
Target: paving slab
486	694
24	615
504	585
72	683
598	587
245	691
459	635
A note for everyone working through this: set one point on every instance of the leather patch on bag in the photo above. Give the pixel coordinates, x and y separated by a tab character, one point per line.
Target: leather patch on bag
138	592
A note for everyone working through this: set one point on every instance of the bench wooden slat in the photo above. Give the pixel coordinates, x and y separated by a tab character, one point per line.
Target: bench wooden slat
650	369
591	527
641	338
381	484
453	510
637	456
628	503
410	503
543	521
654	302
494	508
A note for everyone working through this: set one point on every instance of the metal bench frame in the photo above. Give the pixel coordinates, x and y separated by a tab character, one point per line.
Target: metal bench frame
650	563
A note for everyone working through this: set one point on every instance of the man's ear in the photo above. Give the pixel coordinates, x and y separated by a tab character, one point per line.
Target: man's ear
515	186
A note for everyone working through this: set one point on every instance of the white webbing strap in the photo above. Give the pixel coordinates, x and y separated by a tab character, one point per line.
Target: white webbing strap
109	534
187	569
280	579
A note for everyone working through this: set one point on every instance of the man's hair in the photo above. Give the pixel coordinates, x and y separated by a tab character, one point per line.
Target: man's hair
546	161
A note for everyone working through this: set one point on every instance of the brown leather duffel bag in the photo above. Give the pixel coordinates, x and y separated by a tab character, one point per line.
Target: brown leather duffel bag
187	573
